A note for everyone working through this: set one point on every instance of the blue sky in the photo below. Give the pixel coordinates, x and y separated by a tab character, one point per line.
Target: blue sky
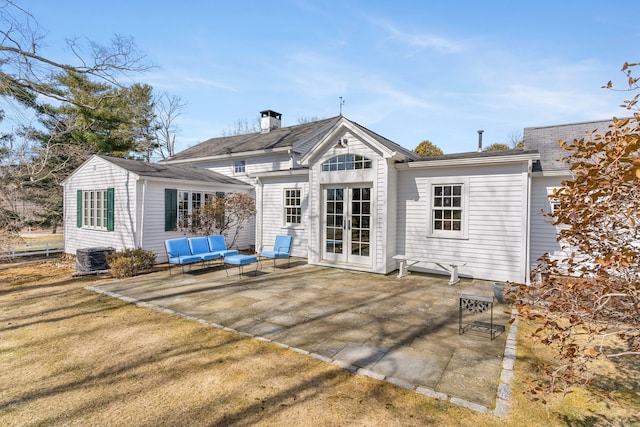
408	70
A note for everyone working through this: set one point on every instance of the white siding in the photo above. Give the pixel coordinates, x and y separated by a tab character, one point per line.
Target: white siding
154	234
253	165
495	247
543	233
98	174
273	214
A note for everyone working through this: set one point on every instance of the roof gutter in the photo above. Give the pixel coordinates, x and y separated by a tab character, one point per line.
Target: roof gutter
195	182
290	172
468	162
228	156
553	173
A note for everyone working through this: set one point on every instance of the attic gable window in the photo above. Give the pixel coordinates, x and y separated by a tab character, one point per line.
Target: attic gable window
346	162
239	166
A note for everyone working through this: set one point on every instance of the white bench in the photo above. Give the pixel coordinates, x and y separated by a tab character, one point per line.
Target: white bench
407	261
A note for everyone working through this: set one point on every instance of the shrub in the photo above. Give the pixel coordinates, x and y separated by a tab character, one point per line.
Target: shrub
130	262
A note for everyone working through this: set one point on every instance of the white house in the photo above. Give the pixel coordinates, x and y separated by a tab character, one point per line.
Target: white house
119	203
350	198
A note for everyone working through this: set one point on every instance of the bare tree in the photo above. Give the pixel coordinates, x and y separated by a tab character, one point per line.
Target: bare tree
227	214
41	153
309	119
242	127
168	109
23	70
515	139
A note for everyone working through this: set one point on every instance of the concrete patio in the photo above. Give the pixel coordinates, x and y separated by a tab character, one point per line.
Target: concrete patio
404	331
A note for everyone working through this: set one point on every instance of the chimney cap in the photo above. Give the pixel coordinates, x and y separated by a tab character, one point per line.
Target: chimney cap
271	113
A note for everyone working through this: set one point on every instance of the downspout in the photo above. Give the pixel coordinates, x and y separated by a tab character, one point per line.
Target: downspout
527	279
141	234
259	204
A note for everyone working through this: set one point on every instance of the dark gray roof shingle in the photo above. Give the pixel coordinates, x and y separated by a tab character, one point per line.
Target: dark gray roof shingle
546	139
257	141
388	143
179	172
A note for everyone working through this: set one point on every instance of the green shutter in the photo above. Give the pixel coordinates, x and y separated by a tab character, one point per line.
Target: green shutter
110	208
79	209
170	209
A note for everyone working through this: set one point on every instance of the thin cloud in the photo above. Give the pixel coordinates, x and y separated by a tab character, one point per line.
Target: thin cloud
422	41
210	83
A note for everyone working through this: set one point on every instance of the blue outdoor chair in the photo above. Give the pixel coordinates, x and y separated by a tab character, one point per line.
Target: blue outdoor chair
281	249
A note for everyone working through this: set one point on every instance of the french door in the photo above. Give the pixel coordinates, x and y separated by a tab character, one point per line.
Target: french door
346	225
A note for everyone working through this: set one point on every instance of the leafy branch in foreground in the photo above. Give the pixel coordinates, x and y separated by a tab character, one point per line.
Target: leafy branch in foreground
588	304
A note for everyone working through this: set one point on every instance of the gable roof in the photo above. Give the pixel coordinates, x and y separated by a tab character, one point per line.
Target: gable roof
546	139
384	144
284	137
388	143
168	171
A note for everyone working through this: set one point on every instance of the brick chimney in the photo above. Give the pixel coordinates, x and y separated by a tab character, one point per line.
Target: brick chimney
270	120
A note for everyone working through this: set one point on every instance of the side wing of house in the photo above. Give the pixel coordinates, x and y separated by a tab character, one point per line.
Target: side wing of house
544	235
471	214
166	208
548	175
283	199
352	208
100	207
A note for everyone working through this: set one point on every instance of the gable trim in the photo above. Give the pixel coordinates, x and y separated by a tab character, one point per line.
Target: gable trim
340	126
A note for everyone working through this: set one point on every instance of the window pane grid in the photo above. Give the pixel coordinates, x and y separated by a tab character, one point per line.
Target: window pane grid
346	162
447	207
239	166
293	206
94	209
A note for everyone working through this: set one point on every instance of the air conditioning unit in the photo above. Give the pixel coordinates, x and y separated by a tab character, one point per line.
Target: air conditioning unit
92	259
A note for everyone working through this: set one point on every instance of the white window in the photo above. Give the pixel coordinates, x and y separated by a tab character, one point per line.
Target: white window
448	209
239	166
94	209
188	203
292	206
346	162
554	202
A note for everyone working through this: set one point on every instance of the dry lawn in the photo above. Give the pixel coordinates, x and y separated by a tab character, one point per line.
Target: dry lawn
72	357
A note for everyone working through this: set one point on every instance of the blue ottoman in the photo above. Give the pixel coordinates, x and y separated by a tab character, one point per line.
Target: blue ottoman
240	261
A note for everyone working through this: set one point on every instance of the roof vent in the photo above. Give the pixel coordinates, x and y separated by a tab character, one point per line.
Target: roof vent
480	141
270	120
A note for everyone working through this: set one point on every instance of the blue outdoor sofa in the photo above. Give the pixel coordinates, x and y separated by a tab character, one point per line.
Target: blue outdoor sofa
184	251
